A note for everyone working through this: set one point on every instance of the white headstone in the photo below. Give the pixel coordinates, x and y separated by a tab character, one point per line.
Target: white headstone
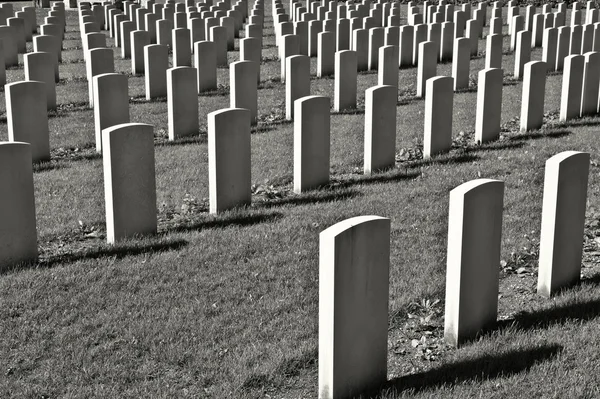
534	90
563	217
570	99
297	82
40	67
111	103
243	87
380	128
438	115
345	84
353	310
129	181
229	159
472	274
489	105
182	100
156	61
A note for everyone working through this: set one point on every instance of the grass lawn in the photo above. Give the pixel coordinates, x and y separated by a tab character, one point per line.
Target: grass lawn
227	305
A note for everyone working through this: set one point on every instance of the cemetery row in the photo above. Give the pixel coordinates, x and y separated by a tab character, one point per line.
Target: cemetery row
353	345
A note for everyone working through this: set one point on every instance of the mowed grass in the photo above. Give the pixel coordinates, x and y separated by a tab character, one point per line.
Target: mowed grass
227	305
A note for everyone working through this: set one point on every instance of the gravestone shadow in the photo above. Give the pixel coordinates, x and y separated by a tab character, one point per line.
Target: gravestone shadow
310	197
218	221
486	367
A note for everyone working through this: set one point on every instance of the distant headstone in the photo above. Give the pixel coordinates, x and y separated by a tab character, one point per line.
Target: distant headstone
243	87
427	68
461	63
549	48
139	40
387	73
39	67
182	52
205	62
522	52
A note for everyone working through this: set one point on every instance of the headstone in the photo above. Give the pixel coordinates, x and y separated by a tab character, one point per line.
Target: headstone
472	272
129	181
343	35
534	90
229	159
250	50
427	68
127	28
111	103
473	32
406	41
205	62
297	82
10	52
18	236
570	99
326	54
345	80
375	42
301	31
522	52
139	39
182	53
387	73
438	116
156	62
311	141
27	117
420	37
380	128
591	80
392	36
489	105
587	39
182	100
353	310
562	49
243	87
18	24
100	60
537	32
447	41
218	35
164	27
360	45
289	46
563	218
549	48
461	63
518	25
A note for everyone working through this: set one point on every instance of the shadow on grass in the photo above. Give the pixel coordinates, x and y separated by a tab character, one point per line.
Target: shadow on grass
544	318
220	92
118	251
391	175
499	145
581	122
486	367
201	138
48	166
540	134
443	159
310	197
233	219
348	111
409	100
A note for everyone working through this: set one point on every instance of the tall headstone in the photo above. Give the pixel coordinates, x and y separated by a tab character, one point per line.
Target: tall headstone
325	54
387	73
111	103
297	82
489	105
18	236
129	181
472	272
182	100
522	52
570	99
229	159
549	48
182	52
427	68
139	40
534	89
156	61
353	310
243	87
461	61
205	62
27	117
438	116
40	67
380	128
311	142
345	84
563	218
